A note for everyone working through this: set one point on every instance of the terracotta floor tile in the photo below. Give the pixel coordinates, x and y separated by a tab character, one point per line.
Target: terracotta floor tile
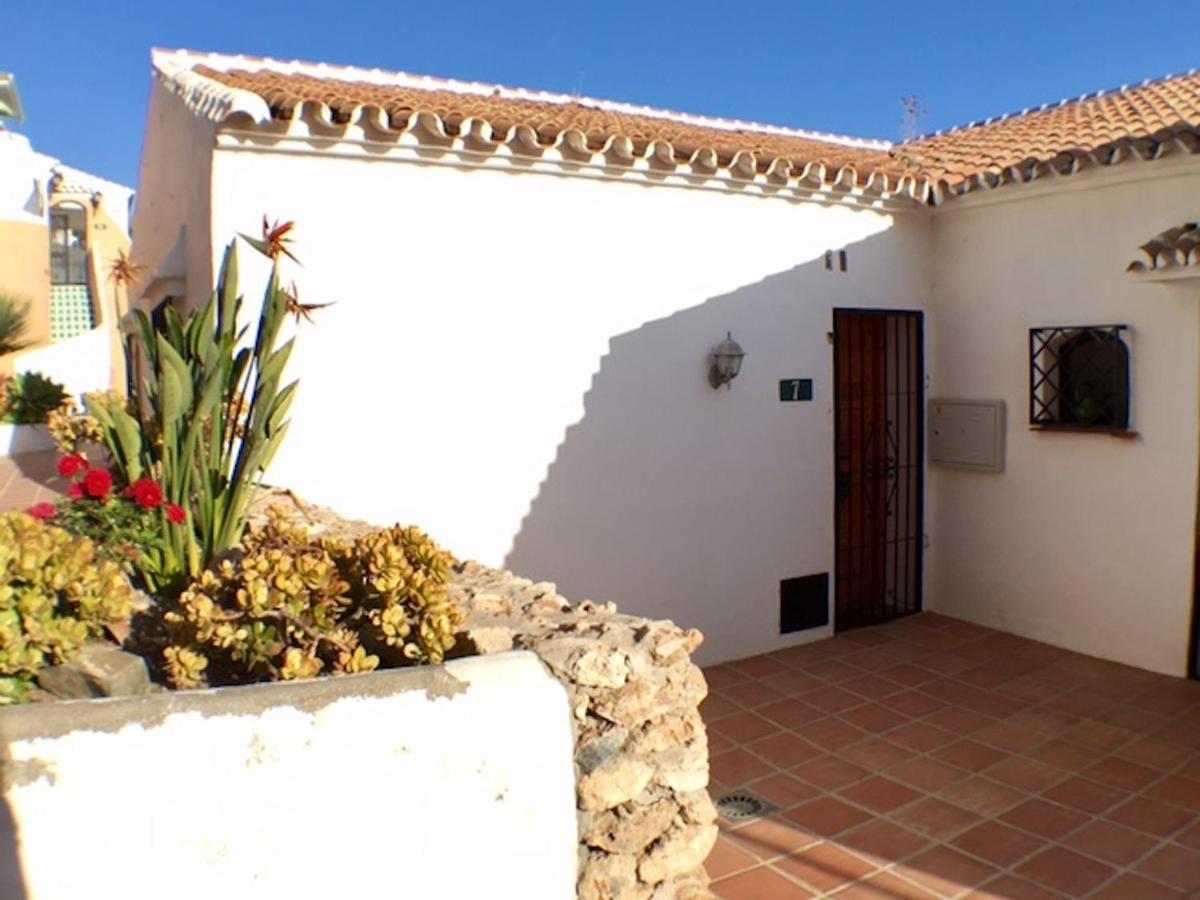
970	755
1065	755
1135	718
948	663
884	841
718	743
1099	736
1134	887
805	654
758	666
1066	871
946	871
1045	819
830	733
868	637
910	675
998	844
1191	770
783	749
1121	773
1178	791
927	774
737	767
723	676
1156	754
1181	731
794	682
886	886
957	720
751	693
936	818
824	867
1189	837
828	772
983	796
1176	866
920	737
833	670
826	816
913	703
769	837
727	858
874	718
872	687
716	707
790	713
1027	774
879	794
1009	887
1149	815
831	699
1085	795
875	753
758	884
782	790
744	727
1006	737
1042	720
1114	844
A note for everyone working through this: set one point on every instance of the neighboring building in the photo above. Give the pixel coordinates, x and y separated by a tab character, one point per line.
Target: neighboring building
60	230
528	287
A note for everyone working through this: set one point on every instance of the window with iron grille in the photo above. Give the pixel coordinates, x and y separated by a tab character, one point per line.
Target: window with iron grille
1079	378
68	244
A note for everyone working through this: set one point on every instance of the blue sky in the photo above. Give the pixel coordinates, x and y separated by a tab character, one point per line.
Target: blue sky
84	67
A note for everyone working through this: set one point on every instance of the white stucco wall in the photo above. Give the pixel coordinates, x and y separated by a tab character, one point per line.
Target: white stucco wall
517	362
23	177
413	784
171	224
1084	541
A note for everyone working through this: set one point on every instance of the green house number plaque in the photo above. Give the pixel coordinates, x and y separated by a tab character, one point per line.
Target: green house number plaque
795	389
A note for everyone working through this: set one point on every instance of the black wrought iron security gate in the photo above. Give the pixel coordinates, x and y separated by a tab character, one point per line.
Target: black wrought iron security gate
879	448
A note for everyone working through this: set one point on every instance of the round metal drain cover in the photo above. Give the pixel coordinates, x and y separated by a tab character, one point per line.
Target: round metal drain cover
739	806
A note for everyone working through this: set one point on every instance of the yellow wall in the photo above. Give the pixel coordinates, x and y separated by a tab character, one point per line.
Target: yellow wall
25	272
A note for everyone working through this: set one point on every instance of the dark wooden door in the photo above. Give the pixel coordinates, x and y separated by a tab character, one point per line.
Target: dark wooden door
879	388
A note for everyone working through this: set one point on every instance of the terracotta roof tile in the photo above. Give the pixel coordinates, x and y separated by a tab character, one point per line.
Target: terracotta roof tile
1147	120
284	93
1175	249
1153	111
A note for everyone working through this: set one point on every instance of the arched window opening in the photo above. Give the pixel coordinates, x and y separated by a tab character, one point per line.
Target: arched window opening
1079	378
68	244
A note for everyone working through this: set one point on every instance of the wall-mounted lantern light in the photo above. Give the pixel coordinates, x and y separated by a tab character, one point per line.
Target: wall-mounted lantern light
726	361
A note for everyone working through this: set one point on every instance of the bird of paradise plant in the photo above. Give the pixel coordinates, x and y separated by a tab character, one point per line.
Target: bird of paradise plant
215	413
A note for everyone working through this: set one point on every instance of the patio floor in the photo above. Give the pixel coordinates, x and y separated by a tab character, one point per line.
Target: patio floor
930	757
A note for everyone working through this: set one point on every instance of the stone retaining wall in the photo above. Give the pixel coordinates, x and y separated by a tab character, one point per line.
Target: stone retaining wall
646	822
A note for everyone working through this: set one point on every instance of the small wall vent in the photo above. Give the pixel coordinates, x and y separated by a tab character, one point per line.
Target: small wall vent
803	603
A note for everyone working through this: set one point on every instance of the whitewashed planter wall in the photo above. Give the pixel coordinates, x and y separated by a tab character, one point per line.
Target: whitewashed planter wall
455	781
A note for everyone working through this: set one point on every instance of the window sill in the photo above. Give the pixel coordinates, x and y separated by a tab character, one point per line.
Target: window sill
1123	433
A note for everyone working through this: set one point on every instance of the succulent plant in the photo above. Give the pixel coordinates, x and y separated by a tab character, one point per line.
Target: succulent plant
31	397
292	606
55	594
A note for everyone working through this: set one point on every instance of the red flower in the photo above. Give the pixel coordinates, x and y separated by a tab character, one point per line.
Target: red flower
97	483
147	493
71	465
175	514
75	491
42	511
